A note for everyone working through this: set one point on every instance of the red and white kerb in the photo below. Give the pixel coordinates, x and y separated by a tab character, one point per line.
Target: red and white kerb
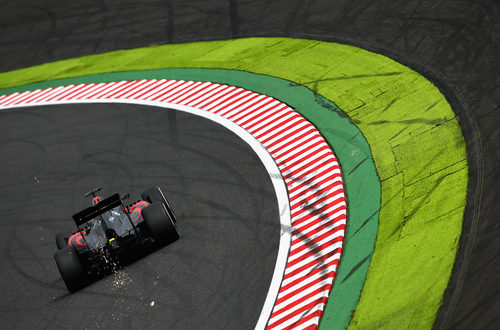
307	164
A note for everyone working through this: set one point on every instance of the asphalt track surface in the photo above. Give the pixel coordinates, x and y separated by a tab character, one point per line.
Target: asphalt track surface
455	44
221	193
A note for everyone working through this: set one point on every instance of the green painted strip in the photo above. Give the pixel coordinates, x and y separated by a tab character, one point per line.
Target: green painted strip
360	177
414	136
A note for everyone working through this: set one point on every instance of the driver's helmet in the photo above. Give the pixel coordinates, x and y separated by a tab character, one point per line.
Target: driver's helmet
96	200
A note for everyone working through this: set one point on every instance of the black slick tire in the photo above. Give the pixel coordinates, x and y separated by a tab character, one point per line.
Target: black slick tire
155	194
62	239
160	224
72	271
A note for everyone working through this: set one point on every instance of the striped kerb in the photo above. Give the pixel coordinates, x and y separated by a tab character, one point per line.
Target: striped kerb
308	166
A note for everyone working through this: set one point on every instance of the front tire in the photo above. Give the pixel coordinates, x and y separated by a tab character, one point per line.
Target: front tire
62	239
155	194
160	224
72	271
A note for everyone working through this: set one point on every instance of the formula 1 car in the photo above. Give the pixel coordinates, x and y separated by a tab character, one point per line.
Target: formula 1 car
108	231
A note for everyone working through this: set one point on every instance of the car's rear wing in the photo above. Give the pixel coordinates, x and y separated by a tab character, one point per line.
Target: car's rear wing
94	211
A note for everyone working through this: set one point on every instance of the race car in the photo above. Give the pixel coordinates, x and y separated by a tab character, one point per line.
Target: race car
109	231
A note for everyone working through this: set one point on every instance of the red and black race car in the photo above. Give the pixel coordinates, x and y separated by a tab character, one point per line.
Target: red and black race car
108	231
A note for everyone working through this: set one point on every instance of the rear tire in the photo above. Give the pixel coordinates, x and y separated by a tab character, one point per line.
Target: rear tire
155	194
62	239
72	271
160	224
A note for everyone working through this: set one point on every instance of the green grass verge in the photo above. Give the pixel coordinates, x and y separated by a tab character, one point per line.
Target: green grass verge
416	143
361	182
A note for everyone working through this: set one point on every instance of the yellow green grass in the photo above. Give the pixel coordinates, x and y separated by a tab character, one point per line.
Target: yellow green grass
415	139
